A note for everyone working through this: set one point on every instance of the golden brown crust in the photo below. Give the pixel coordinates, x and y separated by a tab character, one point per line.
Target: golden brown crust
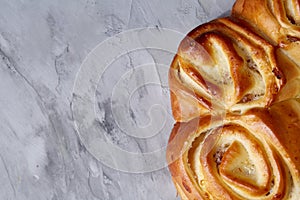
253	156
276	20
235	89
222	66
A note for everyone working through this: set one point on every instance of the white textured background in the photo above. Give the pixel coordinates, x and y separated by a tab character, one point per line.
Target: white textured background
42	45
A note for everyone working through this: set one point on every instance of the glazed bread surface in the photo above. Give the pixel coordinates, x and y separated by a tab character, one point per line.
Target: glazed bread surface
253	156
222	66
277	21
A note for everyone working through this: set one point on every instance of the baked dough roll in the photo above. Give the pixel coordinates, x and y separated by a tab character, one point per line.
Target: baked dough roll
278	21
250	156
222	66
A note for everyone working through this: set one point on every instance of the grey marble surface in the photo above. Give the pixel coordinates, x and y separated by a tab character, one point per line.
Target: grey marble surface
43	154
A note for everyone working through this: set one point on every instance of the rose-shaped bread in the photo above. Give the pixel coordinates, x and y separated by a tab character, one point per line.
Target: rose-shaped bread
221	66
250	156
278	21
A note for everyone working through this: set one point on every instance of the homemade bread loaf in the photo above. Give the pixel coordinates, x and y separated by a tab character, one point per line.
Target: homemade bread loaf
235	88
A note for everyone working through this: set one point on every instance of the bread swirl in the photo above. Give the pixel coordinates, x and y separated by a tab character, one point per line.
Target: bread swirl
278	21
222	66
250	156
